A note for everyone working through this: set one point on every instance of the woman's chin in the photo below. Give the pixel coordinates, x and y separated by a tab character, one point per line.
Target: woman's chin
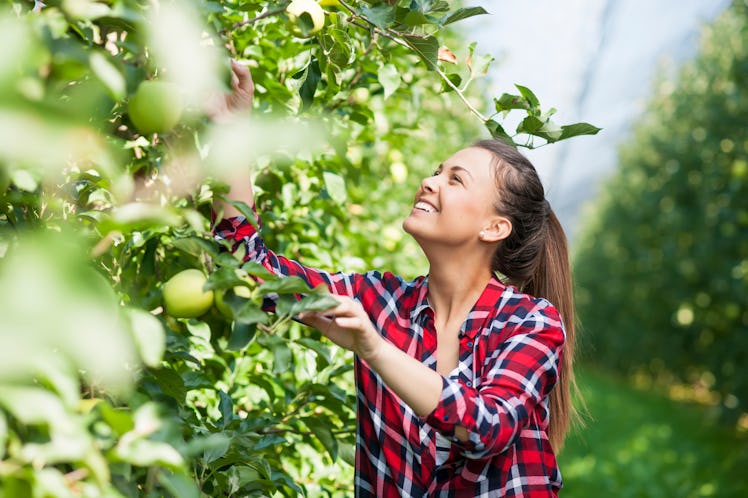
412	227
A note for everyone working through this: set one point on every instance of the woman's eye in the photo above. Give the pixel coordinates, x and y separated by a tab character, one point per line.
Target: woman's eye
456	179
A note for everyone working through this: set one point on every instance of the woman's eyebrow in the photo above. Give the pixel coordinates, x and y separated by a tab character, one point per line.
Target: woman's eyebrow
460	168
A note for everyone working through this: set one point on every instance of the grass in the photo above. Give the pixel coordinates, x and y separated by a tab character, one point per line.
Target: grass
642	444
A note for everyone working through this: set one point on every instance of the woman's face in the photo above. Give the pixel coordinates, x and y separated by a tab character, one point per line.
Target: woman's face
457	202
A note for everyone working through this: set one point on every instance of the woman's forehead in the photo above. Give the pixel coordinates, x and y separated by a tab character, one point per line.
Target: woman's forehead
475	159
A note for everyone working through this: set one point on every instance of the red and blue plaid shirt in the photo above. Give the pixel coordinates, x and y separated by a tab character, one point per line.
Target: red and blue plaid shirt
509	355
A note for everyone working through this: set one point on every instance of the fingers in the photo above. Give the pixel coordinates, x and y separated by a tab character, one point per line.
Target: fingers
241	77
316	320
348	314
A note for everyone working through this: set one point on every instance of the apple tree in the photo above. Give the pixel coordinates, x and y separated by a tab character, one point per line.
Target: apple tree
114	380
662	266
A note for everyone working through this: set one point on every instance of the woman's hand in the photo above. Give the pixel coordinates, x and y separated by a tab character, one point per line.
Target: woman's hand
220	107
348	326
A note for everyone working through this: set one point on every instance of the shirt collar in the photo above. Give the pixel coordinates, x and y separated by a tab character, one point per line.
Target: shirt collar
422	301
483	308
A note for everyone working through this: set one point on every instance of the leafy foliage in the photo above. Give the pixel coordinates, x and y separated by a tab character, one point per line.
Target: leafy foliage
102	393
662	270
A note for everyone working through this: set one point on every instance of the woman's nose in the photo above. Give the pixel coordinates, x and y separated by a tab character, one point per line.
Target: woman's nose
429	184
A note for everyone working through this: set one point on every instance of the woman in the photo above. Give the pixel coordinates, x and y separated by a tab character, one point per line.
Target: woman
462	379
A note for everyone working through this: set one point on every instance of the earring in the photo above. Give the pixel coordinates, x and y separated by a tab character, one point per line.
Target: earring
481	235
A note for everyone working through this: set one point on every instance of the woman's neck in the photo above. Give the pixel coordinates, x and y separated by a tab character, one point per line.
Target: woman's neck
455	285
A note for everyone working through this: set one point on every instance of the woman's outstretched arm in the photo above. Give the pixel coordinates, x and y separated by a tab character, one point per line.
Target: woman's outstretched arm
222	109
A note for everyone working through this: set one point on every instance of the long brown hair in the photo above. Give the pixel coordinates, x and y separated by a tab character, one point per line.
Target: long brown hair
535	259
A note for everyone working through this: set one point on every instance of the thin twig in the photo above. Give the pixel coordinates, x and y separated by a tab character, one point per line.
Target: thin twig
268	13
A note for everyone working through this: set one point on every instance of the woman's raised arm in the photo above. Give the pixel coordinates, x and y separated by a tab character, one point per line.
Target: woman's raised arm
221	109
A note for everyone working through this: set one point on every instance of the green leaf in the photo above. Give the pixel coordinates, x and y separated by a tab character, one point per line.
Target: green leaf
381	15
529	125
24	180
322	350
145	452
195	246
576	129
178	484
269	441
312	76
248	314
226	407
282	358
212	447
460	14
241	335
120	420
149	336
139	216
108	74
338	48
426	48
528	95
229	260
415	18
32	405
171	383
456	81
285	285
549	131
257	270
316	302
245	211
389	77
347	452
323	431
497	131
335	186
196	380
508	102
223	278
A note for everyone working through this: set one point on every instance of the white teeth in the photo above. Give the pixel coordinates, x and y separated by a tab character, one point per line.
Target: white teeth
424	206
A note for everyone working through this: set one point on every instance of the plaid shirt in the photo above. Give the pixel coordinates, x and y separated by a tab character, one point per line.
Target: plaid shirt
509	355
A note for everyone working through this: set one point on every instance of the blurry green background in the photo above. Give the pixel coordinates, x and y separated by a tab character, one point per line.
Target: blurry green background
661	267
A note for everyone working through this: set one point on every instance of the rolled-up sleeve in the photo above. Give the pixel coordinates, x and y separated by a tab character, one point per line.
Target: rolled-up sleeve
516	377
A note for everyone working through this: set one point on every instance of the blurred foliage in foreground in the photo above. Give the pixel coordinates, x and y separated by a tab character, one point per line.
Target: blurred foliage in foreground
102	393
662	269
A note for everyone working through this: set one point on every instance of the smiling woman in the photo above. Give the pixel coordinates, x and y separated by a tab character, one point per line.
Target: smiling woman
463	375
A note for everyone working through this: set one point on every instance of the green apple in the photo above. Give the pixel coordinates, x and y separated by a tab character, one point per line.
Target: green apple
184	296
307	16
156	107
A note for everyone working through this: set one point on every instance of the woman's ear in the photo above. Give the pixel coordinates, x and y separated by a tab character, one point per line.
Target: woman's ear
499	229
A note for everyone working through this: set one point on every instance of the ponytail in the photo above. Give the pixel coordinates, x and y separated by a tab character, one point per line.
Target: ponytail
535	259
552	281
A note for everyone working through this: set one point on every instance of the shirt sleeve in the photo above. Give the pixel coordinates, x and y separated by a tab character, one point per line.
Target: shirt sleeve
517	377
245	236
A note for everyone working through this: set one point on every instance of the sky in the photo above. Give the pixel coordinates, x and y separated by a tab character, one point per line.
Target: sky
594	61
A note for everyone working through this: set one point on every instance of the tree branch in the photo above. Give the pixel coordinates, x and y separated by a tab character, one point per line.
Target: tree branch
396	37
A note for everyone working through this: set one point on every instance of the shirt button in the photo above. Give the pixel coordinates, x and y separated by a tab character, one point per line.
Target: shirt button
470	344
469	384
